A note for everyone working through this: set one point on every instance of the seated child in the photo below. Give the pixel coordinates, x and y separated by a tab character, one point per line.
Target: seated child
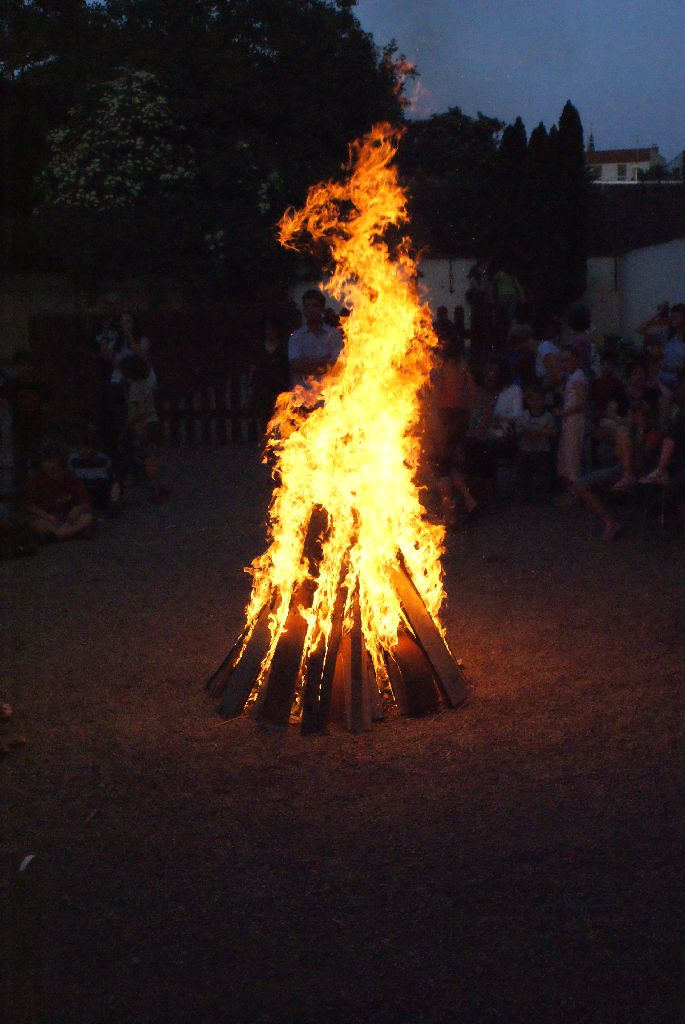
94	469
670	468
637	446
536	429
56	502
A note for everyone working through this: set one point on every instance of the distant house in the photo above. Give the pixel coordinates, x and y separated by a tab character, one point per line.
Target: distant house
621	166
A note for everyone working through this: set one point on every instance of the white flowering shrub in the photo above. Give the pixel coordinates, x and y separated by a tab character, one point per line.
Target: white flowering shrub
269	193
121	147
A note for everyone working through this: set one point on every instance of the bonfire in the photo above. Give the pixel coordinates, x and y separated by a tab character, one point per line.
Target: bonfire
345	601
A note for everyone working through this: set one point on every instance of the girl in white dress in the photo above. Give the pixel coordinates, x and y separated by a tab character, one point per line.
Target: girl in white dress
571	417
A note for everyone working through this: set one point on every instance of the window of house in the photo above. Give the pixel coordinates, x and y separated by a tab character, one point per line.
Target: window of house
595	171
621	171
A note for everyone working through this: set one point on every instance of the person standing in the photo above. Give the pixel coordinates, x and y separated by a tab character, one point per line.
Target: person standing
268	372
572	416
312	348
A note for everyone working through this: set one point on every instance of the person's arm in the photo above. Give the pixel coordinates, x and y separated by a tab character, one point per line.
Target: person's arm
525	427
31	503
516	408
580	396
298	363
656	320
550	364
308	366
80	494
549	428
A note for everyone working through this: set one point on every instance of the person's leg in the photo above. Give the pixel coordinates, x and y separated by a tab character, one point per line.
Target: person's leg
154	478
78	520
447	505
585	487
660	474
623	449
41	523
462	489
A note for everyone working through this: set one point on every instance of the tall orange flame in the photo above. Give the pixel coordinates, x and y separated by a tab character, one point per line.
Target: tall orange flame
356	454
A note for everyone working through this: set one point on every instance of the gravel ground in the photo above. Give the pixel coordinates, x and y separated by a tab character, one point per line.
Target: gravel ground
519	859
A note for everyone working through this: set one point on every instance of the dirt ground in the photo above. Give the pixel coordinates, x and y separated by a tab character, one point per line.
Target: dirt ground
519	859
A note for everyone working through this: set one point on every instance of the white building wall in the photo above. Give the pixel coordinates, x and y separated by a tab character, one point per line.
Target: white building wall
610	172
647	277
601	295
441	283
445	283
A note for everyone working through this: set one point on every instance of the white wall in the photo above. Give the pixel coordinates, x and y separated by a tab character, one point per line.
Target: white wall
601	294
610	171
622	291
647	277
441	283
445	283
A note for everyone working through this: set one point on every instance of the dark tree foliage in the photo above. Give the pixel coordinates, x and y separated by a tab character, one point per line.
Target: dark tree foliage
267	95
268	92
479	190
448	163
509	178
49	49
541	217
572	204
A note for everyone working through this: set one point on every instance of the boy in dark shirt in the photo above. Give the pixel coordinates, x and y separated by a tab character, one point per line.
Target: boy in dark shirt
608	387
57	503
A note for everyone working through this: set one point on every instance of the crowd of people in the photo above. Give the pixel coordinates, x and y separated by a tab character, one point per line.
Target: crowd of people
58	487
541	407
559	416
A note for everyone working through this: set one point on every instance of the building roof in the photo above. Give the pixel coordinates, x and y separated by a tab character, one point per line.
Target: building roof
621	156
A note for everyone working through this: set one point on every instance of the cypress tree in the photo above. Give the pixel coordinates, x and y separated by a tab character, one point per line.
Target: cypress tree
572	206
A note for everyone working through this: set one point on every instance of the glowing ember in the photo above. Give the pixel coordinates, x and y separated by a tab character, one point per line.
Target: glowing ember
355	454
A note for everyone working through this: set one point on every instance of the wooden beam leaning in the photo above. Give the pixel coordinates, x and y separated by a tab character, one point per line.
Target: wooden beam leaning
449	677
316	698
412	678
237	679
275	705
216	684
357	693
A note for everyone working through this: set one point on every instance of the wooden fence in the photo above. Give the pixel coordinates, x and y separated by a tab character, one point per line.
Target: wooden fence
202	359
216	411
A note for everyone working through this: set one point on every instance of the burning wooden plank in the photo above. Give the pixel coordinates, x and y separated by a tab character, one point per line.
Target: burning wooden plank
318	686
448	674
356	671
278	688
411	677
237	675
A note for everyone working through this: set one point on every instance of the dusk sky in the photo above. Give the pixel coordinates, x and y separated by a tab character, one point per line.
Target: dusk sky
620	62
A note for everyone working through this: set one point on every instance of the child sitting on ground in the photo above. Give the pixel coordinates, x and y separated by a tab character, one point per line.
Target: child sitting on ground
637	446
536	430
57	503
94	469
